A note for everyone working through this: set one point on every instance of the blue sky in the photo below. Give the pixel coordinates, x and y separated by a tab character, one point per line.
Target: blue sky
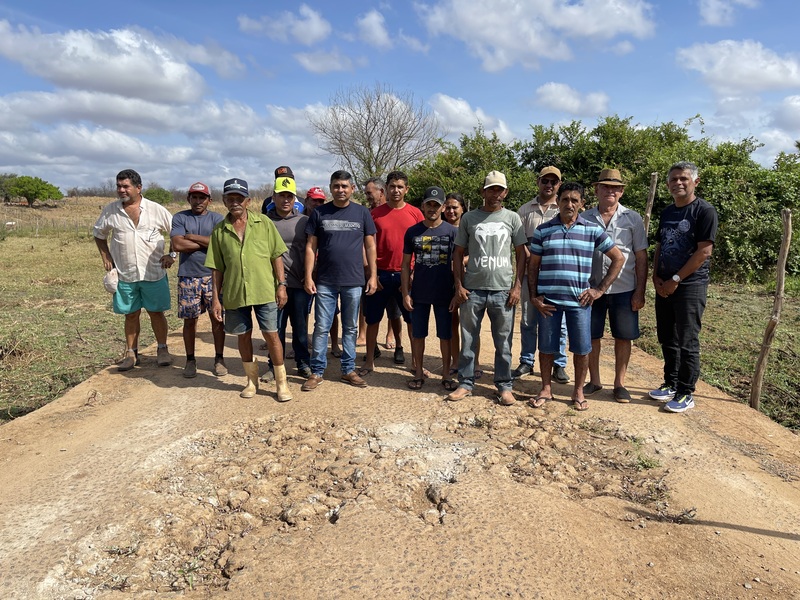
186	91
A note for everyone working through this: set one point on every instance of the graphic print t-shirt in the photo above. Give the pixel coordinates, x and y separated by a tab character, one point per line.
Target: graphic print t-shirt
340	236
489	238
432	249
679	232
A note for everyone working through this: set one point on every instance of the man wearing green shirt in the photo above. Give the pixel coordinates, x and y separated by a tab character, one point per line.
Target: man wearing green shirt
244	253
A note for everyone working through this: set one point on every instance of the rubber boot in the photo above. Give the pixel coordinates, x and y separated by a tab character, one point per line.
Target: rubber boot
284	395
251	370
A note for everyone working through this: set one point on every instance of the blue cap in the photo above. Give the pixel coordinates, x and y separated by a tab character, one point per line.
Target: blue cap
236	186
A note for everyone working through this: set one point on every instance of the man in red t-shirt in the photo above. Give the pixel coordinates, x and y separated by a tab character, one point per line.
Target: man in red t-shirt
392	220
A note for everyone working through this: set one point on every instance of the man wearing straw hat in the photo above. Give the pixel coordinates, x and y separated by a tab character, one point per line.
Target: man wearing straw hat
625	296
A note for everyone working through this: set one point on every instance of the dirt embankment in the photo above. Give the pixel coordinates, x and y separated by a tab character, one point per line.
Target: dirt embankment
145	484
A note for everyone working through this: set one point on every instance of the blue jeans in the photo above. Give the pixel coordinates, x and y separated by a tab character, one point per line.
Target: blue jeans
678	322
529	321
296	312
579	325
501	319
327	296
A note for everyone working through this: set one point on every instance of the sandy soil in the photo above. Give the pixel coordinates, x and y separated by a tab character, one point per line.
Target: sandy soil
145	484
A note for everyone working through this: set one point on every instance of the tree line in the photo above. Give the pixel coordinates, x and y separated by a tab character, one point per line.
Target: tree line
747	196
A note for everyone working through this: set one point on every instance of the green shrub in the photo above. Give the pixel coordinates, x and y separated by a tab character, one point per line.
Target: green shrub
158	194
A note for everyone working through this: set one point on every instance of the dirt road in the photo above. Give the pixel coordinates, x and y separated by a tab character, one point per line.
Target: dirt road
145	484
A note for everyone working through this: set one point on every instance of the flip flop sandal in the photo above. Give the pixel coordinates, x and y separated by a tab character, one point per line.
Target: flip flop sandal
363	372
539	401
478	373
580	405
416	383
449	384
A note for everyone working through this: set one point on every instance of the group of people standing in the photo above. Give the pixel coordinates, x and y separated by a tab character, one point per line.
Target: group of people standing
569	270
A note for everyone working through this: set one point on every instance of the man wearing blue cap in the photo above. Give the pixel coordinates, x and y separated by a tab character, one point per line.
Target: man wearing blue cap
244	253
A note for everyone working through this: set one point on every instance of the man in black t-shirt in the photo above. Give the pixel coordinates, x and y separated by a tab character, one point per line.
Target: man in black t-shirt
685	240
430	244
340	234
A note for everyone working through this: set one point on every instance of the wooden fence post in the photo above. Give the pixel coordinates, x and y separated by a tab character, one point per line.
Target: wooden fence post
650	199
769	332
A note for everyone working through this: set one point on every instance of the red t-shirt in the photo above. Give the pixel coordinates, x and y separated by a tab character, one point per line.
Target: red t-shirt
391	225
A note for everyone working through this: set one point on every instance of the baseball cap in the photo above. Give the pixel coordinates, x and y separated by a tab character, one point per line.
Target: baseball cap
495	178
434	193
551	170
285	184
316	192
283	172
199	187
236	186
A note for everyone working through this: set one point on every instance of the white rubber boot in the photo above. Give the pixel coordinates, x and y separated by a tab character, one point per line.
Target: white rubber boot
251	370
284	395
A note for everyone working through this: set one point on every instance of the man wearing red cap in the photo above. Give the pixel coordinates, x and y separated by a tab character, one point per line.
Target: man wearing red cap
315	197
189	235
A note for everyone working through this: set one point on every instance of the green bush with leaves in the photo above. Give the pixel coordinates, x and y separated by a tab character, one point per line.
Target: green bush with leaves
747	196
158	194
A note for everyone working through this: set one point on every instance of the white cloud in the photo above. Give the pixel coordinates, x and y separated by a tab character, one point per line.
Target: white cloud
787	115
324	62
457	116
563	98
308	27
622	48
224	63
372	30
119	61
414	44
21	111
775	141
719	13
527	31
735	67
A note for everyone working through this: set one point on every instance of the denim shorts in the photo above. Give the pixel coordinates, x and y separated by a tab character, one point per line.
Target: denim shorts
623	319
420	317
194	296
240	320
578	330
153	296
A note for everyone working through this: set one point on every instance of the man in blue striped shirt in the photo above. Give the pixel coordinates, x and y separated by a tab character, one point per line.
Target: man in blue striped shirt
558	281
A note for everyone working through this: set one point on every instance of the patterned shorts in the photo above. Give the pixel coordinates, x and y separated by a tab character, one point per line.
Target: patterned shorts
194	296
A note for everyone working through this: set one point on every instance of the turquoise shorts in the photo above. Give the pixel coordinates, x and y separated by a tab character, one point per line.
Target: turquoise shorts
153	296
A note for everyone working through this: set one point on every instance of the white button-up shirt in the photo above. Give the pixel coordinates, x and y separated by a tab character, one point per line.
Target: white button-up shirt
135	250
626	229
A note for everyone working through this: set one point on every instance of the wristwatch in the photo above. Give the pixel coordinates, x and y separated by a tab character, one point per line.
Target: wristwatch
676	278
283	283
173	255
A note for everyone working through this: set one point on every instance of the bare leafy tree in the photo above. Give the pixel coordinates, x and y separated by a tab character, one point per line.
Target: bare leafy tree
374	130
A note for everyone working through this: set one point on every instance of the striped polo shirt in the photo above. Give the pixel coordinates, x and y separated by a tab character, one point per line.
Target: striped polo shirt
567	258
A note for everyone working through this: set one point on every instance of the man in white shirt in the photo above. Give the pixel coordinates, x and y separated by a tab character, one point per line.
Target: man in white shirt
136	228
624	298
